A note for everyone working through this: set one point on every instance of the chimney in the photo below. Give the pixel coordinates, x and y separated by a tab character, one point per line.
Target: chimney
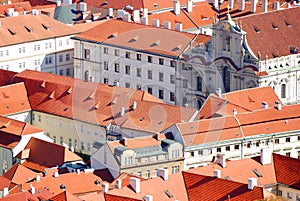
231	4
276	5
144	20
288	5
38	178
136	15
221	160
217	173
120	14
4	192
9	2
215	3
148	198
189	6
253	6
122	113
55	175
278	105
176	4
178	26
265	6
24	12
10	11
83	6
118	183
241	4
58	3
105	187
219	92
164	173
167	25
111	12
127	17
266	156
234	112
135	183
32	189
134	105
251	183
145	12
78	171
155	23
124	142
264	105
68	2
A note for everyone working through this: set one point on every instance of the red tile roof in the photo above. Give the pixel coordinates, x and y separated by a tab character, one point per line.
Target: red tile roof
64	196
104	174
99	103
141	37
13	99
210	188
18	174
278	32
4	182
19	7
124	177
109	197
6	77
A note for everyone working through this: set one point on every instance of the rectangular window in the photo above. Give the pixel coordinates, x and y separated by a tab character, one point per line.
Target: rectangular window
185	83
127	70
149	90
172	79
287	139
82	145
172	96
237	147
61	72
161	61
54	139
276	141
89	146
227	148
20	50
61	140
60	58
105	50
128	160
199	83
147	174
138	57
175	153
185	66
20	65
87	53
219	149
75	144
7	52
150	59
117	52
127	85
1	53
117	67
139	72
138	87
39	118
70	143
200	152
48	60
68	57
139	174
279	193
161	77
161	93
127	55
60	43
150	74
288	154
105	80
105	65
289	195
138	160
68	72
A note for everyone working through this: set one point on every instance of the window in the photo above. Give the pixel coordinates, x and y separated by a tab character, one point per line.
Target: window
155	173
287	139
127	85
60	43
150	74
227	148
128	160
105	50
257	144
288	154
199	83
117	67
75	143
68	57
175	153
68	41
68	72
185	66
172	96
139	174
237	147
117	52
147	174
150	59
82	145
105	65
61	72
161	77
48	60
1	53
139	72
149	90
105	80
61	140
61	123
20	65
70	143
161	93
200	152
39	118
279	193
138	87
54	139
172	79
173	63
127	70
60	58
276	141
289	195
298	198
138	160
89	146
249	145
175	169
138	57
87	54
161	61
20	50
7	52
219	149
127	55
283	91
185	83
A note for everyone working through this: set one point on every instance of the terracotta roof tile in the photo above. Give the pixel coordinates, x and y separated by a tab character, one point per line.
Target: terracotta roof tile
40	194
19	7
94	196
6	77
109	197
124	177
4	182
64	196
210	188
19	174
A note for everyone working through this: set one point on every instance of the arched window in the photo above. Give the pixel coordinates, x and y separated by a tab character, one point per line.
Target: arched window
226	79
199	83
86	75
283	91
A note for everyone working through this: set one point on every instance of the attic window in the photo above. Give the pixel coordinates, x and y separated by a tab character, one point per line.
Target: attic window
257	173
274	26
155	5
114	35
178	47
287	24
12	32
45	27
142	119
28	29
168	193
257	30
227	178
133	39
156	43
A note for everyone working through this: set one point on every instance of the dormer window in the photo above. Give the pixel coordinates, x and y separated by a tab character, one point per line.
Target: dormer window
275	26
287	24
257	30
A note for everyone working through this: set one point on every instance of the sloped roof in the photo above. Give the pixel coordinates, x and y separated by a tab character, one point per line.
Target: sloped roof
66	13
109	197
140	37
40	194
49	154
64	196
28	28
201	187
99	103
104	174
19	7
124	177
274	33
4	182
19	174
6	77
13	99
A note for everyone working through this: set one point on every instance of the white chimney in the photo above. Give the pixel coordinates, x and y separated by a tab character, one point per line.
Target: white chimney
164	173
58	3
266	156
120	13
55	175
276	5
4	192
148	198
278	105
136	15
38	178
288	5
122	111
253	6
145	12
144	20
241	4
251	183
219	92
134	105
155	23
221	160
178	26
118	183
68	2
127	17
167	24
111	12
216	3
176	4
265	6
189	6
10	11
34	12
264	105
32	189
24	12
231	4
78	171
217	173
105	187
83	6
135	183
234	112
9	2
